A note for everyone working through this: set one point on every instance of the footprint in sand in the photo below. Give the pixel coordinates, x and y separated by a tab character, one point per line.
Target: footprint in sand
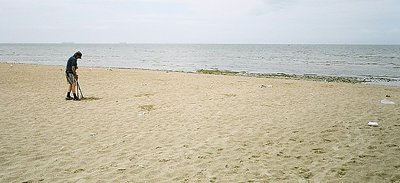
319	151
340	172
146	108
304	172
145	95
391	145
79	170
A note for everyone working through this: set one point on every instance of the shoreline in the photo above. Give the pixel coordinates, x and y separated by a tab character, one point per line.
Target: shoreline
381	81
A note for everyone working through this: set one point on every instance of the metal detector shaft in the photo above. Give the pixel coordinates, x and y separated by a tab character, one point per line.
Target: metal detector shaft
79	88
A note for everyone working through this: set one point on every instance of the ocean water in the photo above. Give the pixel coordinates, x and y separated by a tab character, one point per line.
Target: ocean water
363	61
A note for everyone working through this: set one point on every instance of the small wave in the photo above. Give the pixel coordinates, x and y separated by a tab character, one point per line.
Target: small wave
367	56
379	56
392	57
395	64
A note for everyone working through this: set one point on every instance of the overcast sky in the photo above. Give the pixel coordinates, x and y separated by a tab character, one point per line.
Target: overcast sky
201	21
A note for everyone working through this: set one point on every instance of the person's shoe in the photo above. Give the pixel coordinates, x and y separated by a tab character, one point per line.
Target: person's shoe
68	98
76	98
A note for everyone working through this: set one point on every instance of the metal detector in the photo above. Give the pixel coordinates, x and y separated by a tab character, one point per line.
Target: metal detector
79	88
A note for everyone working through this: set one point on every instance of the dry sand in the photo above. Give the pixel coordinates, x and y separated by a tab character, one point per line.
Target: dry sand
155	126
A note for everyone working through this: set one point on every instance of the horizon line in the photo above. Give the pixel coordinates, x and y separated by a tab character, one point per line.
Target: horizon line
168	43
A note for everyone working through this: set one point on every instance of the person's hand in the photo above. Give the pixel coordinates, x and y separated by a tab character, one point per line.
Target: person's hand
76	77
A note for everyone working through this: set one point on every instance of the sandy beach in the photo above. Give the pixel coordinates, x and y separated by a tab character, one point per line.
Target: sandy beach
158	126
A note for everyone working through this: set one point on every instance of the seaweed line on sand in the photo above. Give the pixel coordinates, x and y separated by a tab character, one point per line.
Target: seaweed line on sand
314	77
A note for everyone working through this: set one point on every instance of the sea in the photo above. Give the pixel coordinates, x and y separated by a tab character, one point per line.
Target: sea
378	64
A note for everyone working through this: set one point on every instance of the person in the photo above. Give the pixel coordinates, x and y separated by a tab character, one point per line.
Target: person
72	76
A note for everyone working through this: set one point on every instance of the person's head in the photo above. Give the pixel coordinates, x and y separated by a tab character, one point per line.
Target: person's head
78	55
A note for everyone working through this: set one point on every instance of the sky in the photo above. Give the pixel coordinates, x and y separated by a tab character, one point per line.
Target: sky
201	21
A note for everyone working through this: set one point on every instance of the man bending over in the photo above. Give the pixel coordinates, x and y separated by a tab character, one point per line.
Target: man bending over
72	76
